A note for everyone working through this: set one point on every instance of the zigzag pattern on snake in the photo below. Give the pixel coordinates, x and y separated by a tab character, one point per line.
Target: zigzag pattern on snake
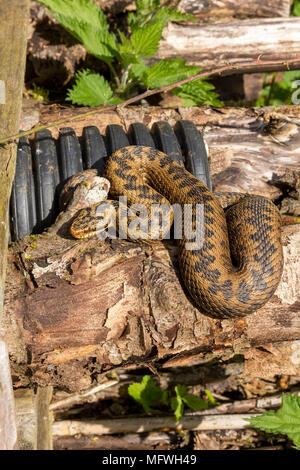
239	265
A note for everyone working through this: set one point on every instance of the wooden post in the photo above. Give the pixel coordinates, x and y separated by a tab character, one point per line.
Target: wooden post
13	38
34	420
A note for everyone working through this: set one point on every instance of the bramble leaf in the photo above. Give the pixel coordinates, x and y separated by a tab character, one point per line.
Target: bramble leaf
286	420
167	71
91	89
85	11
295	11
145	40
167	14
197	93
149	12
137	70
87	23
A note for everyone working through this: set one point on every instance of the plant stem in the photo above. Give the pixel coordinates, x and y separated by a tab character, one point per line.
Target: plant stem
268	99
114	74
124	79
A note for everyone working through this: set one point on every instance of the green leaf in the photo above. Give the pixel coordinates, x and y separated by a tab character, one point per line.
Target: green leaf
91	89
167	71
145	11
126	51
85	11
211	399
149	12
145	40
38	93
295	11
87	23
146	5
137	70
99	43
177	407
167	14
286	420
147	393
197	93
192	401
279	93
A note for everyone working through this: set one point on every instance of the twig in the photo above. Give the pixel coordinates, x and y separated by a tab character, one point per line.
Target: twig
80	397
216	71
148	424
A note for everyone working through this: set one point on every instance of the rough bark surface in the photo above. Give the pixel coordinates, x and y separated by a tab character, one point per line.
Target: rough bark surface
251	150
75	309
213	9
236	42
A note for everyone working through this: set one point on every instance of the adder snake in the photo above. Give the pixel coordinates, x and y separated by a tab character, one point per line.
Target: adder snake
239	265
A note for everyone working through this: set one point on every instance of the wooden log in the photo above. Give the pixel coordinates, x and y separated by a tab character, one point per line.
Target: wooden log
250	149
234	42
13	37
81	308
214	9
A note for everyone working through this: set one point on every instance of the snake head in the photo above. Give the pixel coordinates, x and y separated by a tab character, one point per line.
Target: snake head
98	220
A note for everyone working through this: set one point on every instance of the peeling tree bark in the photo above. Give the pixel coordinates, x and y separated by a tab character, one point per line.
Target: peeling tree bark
236	42
214	9
84	307
74	309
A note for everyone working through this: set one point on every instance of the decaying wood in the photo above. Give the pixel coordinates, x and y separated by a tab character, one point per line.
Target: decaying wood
236	42
214	9
83	308
78	309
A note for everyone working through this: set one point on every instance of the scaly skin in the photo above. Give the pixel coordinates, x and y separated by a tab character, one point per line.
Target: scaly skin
239	265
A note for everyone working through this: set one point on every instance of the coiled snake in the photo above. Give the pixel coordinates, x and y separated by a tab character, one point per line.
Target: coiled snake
239	264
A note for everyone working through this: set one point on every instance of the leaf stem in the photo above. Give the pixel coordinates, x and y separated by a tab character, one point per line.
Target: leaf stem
268	99
114	74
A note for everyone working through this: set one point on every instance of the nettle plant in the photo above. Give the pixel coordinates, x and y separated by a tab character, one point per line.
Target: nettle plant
153	399
125	55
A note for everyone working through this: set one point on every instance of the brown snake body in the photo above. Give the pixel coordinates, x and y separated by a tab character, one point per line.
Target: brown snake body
239	265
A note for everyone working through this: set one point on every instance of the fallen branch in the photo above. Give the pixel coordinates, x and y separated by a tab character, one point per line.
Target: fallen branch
77	398
148	424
